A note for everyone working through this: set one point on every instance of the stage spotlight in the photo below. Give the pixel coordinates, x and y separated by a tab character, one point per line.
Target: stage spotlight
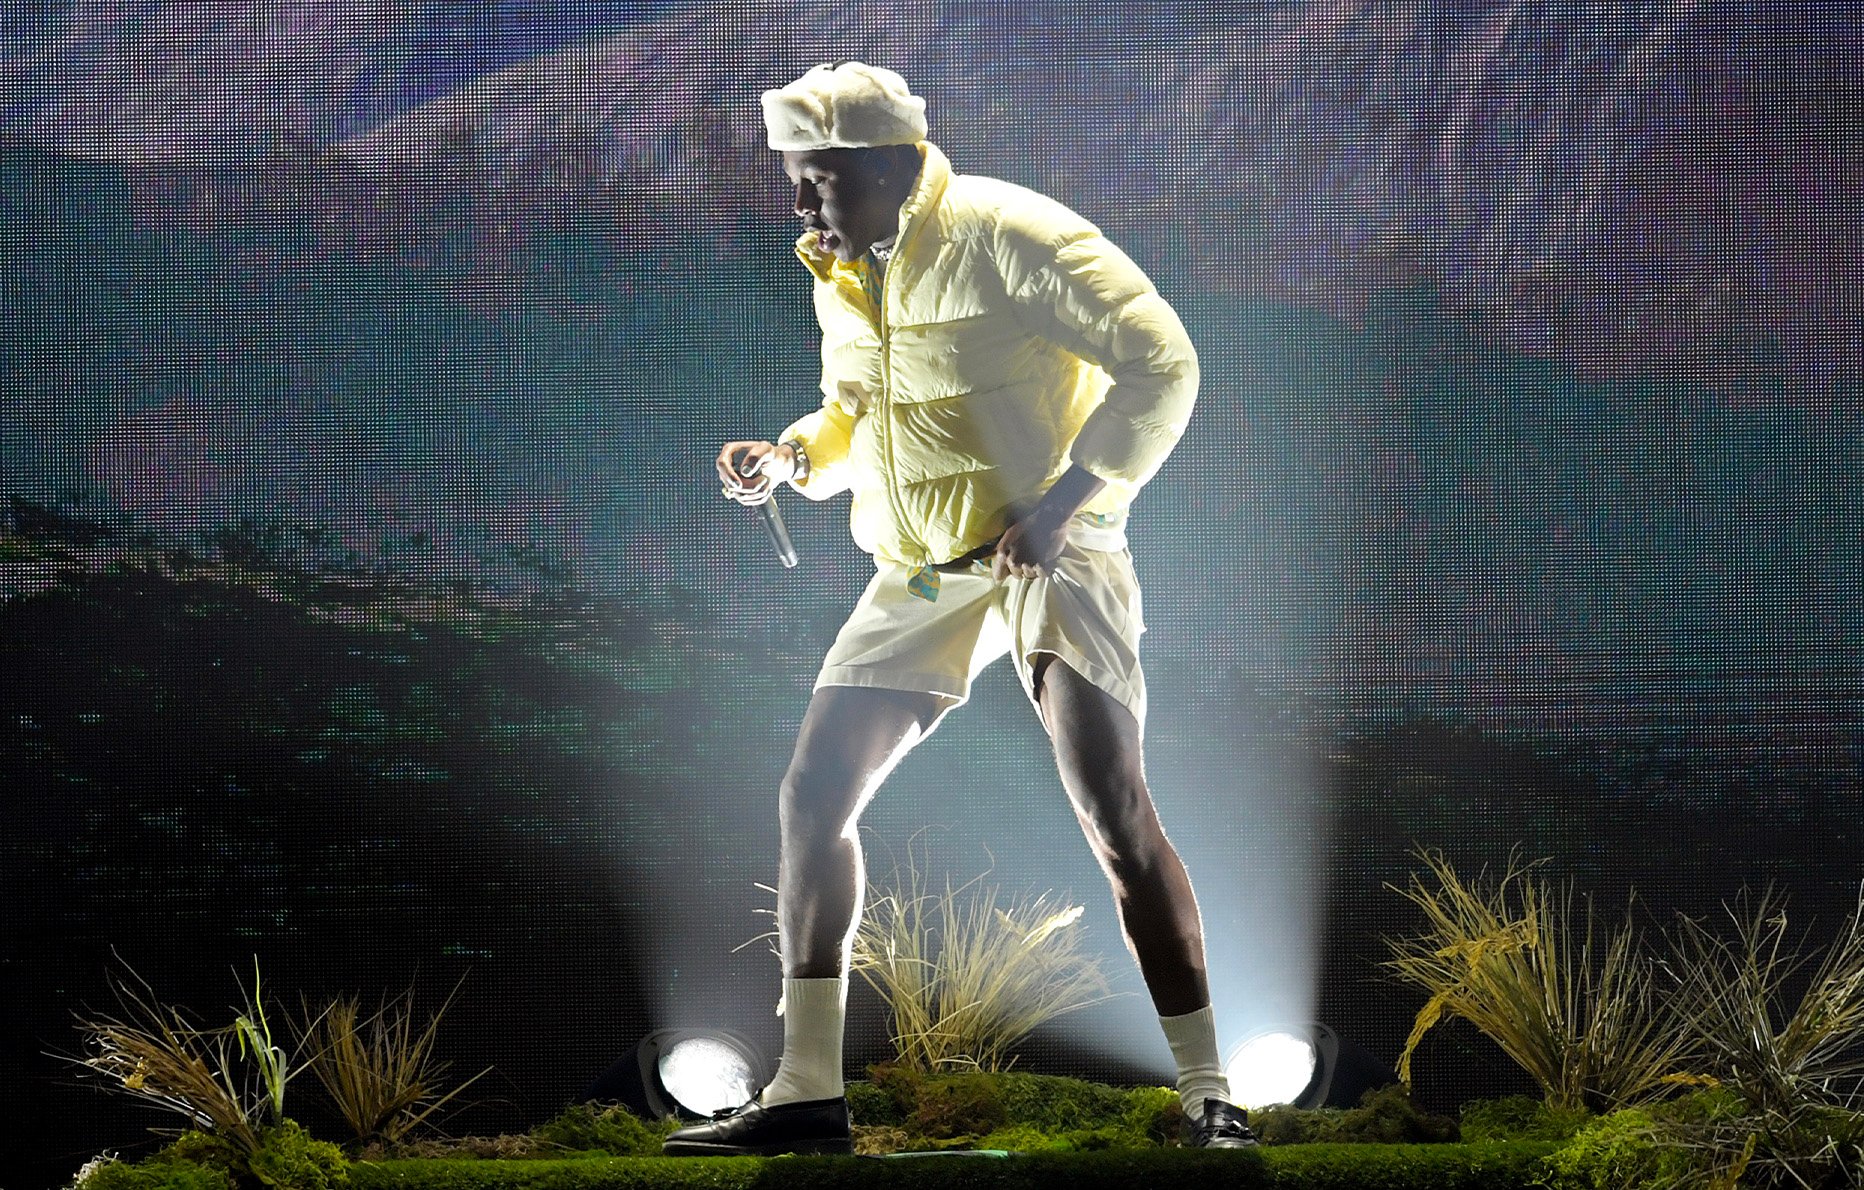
1304	1066
689	1073
1274	1067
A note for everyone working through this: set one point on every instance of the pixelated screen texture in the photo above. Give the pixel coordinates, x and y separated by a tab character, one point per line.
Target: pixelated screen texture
368	604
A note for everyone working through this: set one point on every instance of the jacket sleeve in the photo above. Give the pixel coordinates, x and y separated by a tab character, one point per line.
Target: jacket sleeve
1070	285
825	436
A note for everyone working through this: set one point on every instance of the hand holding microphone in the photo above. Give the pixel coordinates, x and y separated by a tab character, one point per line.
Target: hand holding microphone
750	473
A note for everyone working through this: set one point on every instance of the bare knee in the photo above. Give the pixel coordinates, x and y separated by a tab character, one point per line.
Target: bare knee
1123	828
851	737
818	804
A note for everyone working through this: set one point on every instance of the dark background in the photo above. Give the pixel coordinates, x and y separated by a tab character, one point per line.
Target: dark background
367	606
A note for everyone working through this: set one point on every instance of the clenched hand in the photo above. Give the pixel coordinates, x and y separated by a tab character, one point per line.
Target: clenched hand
1030	547
751	471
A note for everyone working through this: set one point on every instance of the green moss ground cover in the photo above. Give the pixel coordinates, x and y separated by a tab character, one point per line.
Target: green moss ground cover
1504	1166
916	1130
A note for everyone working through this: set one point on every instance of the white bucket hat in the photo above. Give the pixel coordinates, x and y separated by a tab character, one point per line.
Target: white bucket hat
844	105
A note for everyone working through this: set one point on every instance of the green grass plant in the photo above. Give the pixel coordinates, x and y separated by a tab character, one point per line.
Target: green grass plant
254	1033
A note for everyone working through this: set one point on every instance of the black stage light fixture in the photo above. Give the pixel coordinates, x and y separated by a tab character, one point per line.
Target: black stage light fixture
689	1073
1304	1066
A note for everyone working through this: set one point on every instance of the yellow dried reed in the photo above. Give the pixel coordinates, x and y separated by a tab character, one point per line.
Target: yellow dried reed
966	975
1573	1005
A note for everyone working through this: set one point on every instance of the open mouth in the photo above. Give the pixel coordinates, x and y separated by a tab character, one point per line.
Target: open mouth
826	240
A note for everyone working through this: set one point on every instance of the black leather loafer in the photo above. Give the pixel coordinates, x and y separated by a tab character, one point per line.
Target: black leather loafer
813	1126
1224	1126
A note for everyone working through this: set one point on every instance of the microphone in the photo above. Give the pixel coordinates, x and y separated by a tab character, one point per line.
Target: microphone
779	536
773	524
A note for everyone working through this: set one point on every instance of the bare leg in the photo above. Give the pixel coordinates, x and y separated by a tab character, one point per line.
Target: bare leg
1097	747
851	738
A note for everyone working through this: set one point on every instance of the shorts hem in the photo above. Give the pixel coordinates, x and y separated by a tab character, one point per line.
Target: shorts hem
940	685
1127	694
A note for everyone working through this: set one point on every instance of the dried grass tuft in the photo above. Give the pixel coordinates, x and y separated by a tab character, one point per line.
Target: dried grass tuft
1574	1005
380	1070
967	975
1779	1033
224	1081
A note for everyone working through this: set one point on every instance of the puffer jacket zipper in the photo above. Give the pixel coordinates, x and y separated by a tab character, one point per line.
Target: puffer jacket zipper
886	418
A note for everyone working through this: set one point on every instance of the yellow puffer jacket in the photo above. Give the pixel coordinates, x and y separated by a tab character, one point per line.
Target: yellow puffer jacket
1013	339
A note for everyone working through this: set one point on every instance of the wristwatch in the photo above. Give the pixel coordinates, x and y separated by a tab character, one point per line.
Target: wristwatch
801	456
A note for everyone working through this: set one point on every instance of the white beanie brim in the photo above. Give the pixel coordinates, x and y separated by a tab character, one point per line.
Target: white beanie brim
849	105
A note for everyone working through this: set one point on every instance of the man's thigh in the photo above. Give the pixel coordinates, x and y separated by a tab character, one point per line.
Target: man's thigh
1098	746
851	737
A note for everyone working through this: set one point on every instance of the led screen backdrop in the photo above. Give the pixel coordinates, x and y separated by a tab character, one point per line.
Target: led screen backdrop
368	608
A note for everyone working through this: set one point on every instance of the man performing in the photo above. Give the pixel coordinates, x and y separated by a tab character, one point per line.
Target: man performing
999	381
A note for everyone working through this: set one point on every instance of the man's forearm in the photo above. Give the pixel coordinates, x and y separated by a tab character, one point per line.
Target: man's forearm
1075	488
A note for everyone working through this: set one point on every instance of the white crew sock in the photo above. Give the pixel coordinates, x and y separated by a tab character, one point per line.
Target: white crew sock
814	1011
1193	1040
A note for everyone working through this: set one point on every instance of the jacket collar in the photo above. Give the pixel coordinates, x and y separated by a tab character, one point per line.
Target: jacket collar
934	175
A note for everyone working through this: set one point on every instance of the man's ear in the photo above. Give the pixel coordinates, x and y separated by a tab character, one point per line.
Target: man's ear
901	162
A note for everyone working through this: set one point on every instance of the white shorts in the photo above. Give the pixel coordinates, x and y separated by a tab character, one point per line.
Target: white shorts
1086	613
